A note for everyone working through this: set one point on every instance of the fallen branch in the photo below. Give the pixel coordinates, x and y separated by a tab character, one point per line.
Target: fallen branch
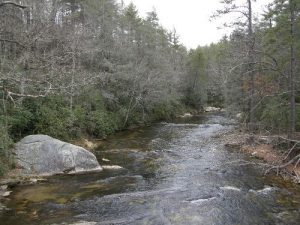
290	151
297	163
278	167
289	140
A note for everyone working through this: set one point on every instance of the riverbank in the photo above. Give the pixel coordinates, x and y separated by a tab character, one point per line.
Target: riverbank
264	148
52	116
267	149
13	176
256	147
181	167
10	181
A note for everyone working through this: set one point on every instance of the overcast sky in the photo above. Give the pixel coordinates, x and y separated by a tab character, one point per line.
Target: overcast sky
190	18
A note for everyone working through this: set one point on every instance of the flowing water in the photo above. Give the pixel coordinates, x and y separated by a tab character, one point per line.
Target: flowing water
173	173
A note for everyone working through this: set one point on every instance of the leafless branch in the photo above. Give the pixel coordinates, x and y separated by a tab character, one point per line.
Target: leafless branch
13	41
12	3
278	167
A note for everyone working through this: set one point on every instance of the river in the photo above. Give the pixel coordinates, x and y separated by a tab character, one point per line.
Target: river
173	173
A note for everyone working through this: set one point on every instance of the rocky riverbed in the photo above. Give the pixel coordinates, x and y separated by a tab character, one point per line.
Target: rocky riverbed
170	173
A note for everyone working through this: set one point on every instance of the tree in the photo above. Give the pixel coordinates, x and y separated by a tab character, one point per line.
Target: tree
197	79
284	15
245	21
70	64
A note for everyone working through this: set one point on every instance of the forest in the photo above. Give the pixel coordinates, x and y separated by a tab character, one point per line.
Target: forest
75	68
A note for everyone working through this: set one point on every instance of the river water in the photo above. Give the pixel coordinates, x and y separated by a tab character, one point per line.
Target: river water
173	173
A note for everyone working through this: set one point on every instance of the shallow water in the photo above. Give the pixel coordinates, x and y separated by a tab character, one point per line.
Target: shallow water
173	173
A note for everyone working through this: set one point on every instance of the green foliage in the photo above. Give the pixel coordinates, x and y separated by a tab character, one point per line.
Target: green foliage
19	121
215	100
6	159
274	114
298	118
197	60
49	116
194	99
196	90
102	123
166	111
78	120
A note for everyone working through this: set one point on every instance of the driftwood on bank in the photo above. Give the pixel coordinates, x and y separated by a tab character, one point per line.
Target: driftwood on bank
292	160
263	147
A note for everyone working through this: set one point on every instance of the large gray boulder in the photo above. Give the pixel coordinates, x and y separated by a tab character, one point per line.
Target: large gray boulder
44	156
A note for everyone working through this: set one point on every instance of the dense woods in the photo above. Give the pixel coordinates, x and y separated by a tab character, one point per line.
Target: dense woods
260	59
73	68
84	68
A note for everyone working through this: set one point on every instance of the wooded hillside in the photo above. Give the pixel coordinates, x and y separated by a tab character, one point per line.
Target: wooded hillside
74	68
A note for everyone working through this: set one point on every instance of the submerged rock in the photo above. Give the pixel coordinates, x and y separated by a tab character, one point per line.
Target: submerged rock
112	167
212	109
3	188
84	223
43	156
6	194
186	115
10	183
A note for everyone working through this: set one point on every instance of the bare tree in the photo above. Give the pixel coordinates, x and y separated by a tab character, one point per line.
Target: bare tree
245	18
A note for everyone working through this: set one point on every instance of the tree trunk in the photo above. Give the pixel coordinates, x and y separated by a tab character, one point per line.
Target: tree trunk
251	42
72	80
128	111
292	71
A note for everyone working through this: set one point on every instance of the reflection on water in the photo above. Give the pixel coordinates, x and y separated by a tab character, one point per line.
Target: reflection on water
172	173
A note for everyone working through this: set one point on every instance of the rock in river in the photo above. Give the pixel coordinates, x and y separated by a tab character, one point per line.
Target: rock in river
43	156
